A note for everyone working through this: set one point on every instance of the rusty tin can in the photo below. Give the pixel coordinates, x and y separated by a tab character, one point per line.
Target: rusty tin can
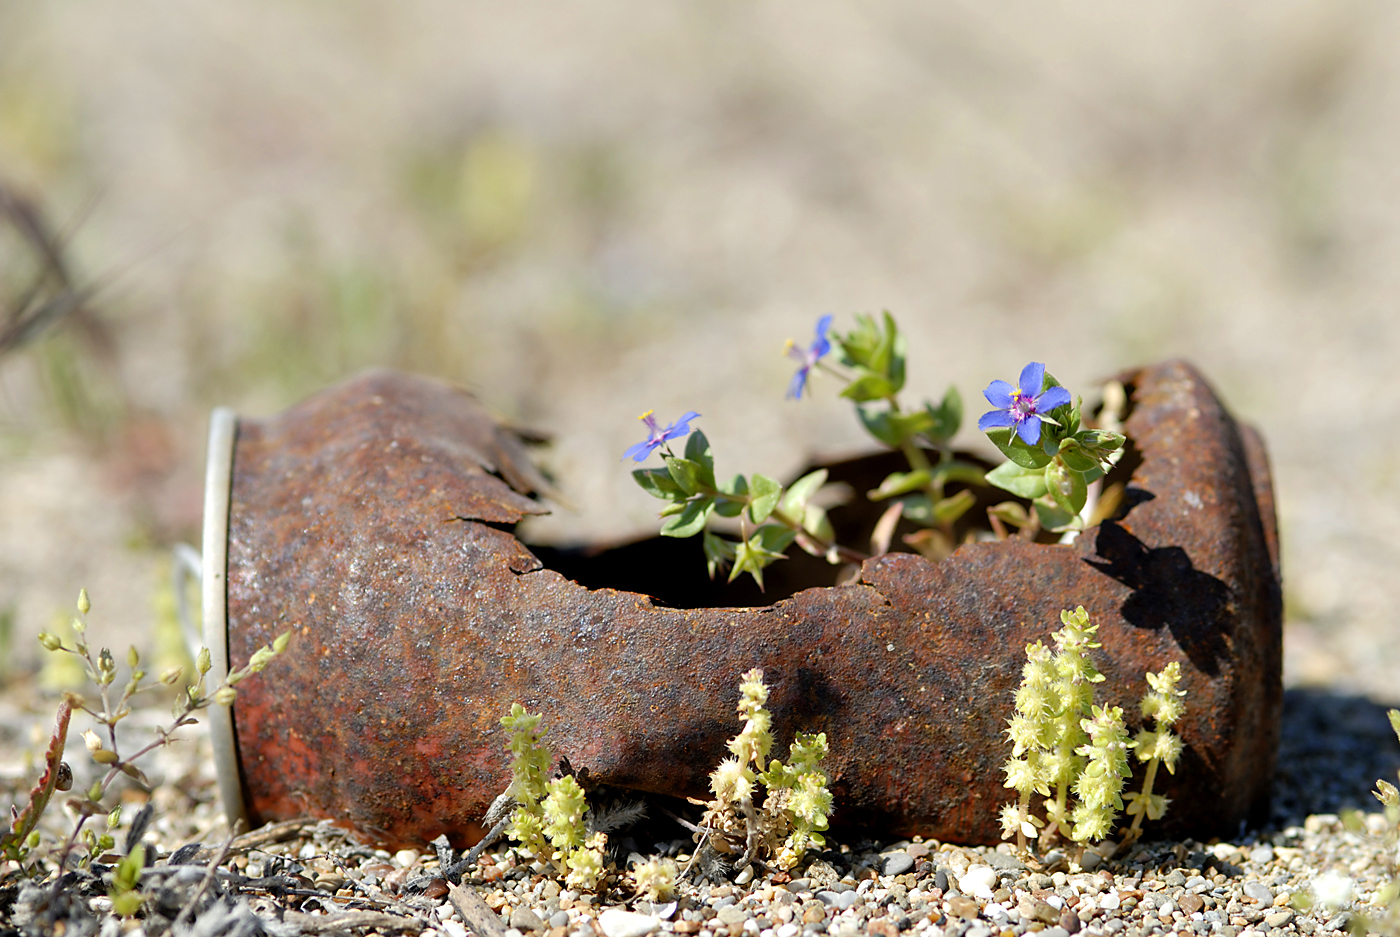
374	521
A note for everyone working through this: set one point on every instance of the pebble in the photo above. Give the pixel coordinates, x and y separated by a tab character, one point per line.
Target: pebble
618	923
730	915
908	889
897	863
978	881
1259	892
962	906
523	919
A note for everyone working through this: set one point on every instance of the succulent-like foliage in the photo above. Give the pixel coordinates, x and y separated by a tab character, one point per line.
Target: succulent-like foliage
796	803
655	879
1099	785
1164	704
549	816
1048	733
1061	741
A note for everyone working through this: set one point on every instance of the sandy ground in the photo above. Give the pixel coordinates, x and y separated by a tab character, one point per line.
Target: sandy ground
583	211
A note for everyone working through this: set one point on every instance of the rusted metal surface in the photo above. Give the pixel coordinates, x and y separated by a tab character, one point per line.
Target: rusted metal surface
415	631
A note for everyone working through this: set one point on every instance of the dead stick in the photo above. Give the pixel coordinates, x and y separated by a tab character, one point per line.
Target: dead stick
479	917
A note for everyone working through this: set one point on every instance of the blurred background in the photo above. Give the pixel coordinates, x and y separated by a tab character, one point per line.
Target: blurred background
583	211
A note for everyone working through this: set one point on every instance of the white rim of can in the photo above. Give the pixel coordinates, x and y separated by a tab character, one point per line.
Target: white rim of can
218	492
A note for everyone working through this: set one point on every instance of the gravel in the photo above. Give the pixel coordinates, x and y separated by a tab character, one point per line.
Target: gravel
1254	885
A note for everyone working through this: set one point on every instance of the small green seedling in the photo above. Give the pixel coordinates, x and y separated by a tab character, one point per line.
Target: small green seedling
102	746
549	817
796	802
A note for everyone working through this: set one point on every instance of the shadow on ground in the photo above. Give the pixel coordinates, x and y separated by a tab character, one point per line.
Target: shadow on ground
1332	749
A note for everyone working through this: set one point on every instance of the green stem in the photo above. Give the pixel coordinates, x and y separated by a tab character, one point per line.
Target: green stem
1147	780
845	553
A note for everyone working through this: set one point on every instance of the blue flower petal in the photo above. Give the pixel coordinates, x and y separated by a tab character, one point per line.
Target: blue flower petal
1029	430
797	384
679	428
823	326
999	394
640	451
1032	379
1052	398
993	419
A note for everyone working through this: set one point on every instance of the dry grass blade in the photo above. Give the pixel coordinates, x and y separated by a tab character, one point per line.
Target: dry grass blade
479	917
351	921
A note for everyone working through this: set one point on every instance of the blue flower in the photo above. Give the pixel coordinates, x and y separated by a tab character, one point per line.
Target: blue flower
814	353
1022	407
656	436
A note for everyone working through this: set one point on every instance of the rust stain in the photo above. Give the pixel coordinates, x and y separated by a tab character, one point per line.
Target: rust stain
397	693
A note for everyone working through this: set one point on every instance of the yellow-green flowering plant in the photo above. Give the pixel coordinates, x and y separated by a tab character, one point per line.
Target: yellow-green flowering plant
793	811
549	816
1062	742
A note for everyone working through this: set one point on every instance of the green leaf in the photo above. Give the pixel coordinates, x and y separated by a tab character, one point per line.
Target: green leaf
953	507
719	553
877	423
1011	446
899	483
1066	487
737	486
1026	482
774	539
919	509
794	501
894	429
946	418
878	353
697	449
1101	439
1076	457
762	549
894	348
1052	516
658	483
859	346
672	509
686	474
1012	512
869	386
816	523
690	521
955	470
766	494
